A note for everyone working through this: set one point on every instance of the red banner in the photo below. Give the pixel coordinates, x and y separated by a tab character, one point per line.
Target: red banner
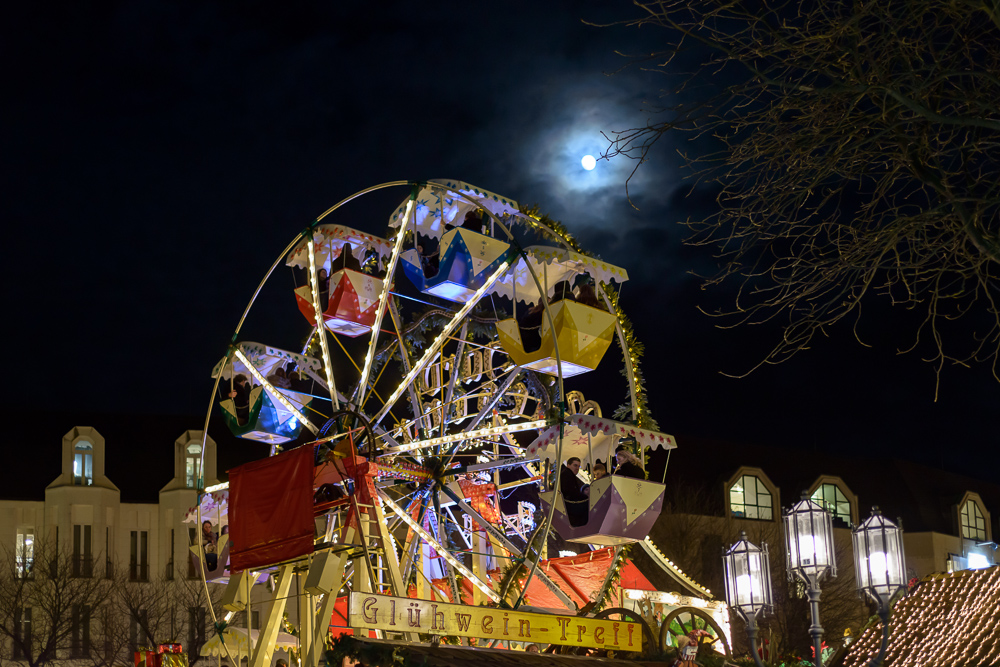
270	510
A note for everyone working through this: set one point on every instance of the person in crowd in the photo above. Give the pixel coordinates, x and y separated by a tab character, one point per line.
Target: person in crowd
429	260
572	491
628	464
208	542
279	379
586	293
323	285
598	471
240	393
530	324
562	290
347	260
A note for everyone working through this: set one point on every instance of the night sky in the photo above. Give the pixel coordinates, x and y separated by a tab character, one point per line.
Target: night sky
157	156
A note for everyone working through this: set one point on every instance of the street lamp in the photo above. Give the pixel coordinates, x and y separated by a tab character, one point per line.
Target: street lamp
879	567
809	545
748	585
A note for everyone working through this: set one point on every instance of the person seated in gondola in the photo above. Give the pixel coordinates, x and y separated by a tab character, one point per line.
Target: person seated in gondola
572	491
562	290
586	293
372	265
530	324
240	393
346	260
628	464
473	222
323	285
429	260
279	379
599	471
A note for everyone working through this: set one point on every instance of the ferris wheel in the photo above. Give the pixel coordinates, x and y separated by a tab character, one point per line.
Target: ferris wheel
435	381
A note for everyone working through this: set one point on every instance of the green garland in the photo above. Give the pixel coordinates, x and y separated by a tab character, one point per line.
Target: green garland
644	418
617	565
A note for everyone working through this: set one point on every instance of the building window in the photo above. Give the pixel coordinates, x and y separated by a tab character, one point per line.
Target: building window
138	564
83	561
196	627
193	465
831	498
240	620
80	644
750	499
22	633
109	568
170	558
24	552
83	463
973	522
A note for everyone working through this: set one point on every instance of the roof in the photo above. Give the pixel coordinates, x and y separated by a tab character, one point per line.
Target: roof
949	620
924	497
383	653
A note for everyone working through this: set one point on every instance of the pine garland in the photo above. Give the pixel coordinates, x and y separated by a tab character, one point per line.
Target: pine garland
644	418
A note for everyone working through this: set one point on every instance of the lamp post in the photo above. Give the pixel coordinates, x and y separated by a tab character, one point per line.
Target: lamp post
809	545
879	567
748	585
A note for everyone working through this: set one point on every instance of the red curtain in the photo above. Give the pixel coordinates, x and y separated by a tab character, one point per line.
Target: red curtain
271	510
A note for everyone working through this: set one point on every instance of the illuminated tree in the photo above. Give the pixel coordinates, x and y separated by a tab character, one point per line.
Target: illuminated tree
857	159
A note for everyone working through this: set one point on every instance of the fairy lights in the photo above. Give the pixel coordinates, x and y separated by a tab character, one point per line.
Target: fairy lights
274	392
442	551
467	435
224	486
433	349
320	326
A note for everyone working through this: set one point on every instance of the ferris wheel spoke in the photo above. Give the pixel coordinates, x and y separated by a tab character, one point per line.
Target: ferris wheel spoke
454	374
434	544
499	539
382	299
439	342
404	355
270	388
320	326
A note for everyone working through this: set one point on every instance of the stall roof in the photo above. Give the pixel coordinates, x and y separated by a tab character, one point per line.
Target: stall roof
950	619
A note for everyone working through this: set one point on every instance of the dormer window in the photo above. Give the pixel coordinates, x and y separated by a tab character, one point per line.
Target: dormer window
831	498
192	465
973	521
83	463
749	498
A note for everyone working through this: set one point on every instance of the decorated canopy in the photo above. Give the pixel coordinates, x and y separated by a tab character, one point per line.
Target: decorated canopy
552	266
214	508
586	434
236	640
266	360
330	239
446	201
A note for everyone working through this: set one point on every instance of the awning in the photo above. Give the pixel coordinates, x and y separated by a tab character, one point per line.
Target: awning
236	640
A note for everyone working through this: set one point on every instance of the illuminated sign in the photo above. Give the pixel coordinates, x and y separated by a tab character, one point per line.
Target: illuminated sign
381	612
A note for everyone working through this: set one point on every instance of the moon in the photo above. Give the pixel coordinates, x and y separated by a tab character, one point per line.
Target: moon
588	162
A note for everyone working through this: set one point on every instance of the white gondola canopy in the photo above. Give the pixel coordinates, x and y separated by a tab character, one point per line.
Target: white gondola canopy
266	360
446	201
330	239
591	438
552	266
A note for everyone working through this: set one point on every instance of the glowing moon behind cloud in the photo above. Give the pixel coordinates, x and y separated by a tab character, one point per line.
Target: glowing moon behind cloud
588	162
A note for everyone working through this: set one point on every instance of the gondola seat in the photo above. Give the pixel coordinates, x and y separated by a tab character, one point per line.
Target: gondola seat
621	510
268	420
467	260
584	334
353	303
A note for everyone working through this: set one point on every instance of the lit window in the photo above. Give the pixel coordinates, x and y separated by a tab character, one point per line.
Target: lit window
833	500
750	499
24	552
193	465
973	523
83	463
